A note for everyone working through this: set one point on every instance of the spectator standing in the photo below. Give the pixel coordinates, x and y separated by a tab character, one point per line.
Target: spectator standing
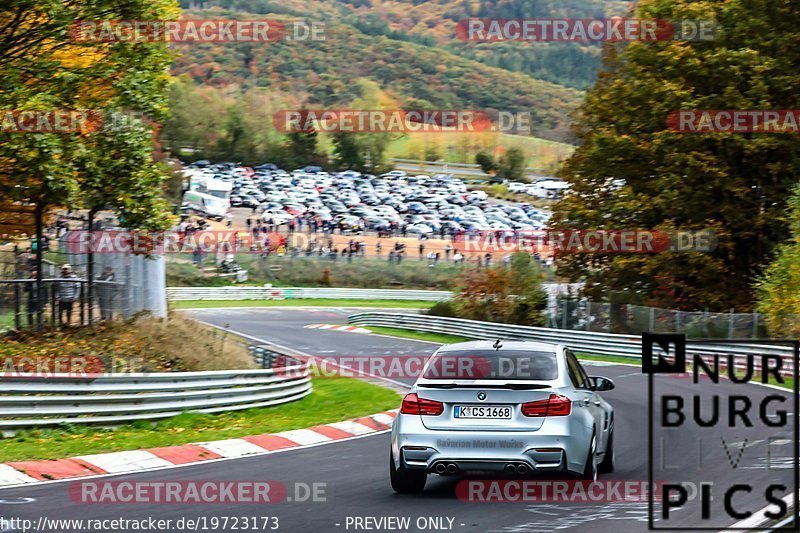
105	293
68	292
37	297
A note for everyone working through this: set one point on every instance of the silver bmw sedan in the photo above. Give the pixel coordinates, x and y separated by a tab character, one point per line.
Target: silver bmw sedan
513	408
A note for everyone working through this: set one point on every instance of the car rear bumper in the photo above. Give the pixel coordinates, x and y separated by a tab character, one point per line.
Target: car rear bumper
552	448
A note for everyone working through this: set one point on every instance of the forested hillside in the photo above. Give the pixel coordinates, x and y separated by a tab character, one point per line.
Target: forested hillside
410	49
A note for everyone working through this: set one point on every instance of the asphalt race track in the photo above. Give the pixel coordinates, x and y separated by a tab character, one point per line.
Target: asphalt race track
355	475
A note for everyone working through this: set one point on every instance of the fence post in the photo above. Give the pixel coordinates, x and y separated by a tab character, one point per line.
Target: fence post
564	317
54	314
652	319
17	305
82	303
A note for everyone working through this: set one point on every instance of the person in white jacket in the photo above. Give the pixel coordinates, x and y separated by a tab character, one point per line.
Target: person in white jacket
68	292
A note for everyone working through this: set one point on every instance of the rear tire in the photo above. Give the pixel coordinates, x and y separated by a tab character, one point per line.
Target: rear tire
406	481
606	466
590	468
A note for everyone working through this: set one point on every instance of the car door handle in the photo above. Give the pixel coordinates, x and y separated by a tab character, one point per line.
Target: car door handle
597	402
586	401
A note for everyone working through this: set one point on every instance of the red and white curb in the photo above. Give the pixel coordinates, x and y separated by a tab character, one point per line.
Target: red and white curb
339	327
26	472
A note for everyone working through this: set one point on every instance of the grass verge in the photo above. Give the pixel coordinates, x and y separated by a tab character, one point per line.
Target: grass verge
306	302
140	344
440	338
333	400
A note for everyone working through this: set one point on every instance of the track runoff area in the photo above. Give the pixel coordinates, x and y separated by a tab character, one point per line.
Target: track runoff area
701	443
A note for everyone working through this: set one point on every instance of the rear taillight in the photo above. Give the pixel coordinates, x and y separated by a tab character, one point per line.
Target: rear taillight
414	405
555	405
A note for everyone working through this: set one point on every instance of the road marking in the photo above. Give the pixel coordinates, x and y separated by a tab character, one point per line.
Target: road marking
124	462
355	428
11	476
338	327
231	448
210	461
16	501
303	436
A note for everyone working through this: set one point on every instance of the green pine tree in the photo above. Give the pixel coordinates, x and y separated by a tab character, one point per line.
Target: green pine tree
631	171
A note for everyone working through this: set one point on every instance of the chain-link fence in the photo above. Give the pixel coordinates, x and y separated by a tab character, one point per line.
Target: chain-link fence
570	313
76	288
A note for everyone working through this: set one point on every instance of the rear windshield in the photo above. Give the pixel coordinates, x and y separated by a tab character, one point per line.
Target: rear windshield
493	364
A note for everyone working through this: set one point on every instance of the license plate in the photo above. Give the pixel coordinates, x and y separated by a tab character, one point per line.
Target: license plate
482	411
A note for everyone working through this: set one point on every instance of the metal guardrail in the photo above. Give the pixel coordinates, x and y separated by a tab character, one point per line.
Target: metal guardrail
581	341
265	293
120	398
470	173
447	165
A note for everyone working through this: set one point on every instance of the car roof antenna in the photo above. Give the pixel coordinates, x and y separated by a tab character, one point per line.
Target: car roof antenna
497	344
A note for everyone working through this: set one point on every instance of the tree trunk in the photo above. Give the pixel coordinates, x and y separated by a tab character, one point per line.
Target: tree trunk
39	221
90	270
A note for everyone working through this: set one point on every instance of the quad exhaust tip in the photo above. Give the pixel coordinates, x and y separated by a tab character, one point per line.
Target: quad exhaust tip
511	468
449	468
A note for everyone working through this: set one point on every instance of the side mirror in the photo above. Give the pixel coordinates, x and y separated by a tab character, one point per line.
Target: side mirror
601	384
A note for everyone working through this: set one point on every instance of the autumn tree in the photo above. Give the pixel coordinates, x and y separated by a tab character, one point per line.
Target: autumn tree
511	294
632	172
779	286
486	162
347	152
43	68
511	165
